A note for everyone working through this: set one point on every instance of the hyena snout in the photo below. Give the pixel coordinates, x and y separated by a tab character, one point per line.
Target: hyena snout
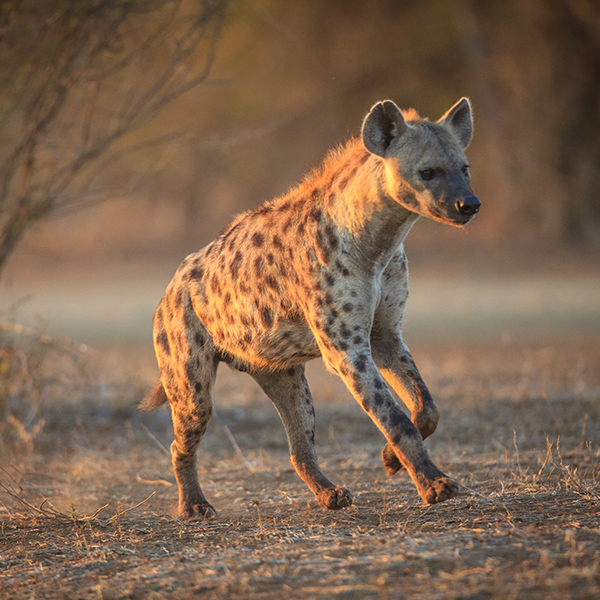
468	205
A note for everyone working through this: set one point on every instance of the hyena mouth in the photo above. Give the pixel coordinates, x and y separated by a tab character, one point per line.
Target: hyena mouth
447	219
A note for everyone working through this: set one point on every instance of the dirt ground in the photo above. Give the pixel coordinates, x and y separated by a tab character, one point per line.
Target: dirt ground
88	501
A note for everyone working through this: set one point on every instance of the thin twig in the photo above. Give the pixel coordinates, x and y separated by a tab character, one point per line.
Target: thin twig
156	441
122	512
517	451
546	460
237	449
39	511
473	491
92	517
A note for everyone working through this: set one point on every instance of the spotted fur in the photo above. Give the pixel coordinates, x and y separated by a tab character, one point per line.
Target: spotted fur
320	271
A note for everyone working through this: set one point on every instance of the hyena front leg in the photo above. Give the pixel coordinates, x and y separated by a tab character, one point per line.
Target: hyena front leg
398	367
289	392
363	379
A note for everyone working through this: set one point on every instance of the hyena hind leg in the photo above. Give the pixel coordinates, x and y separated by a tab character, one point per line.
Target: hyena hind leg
191	406
289	392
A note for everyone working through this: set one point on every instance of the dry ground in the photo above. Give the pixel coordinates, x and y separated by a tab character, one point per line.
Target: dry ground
520	429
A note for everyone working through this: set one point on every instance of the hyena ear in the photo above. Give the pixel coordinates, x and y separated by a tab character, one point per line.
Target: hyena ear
460	120
382	126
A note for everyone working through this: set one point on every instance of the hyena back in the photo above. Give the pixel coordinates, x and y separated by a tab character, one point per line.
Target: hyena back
320	271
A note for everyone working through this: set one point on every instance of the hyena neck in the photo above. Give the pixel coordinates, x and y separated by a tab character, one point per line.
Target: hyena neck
357	202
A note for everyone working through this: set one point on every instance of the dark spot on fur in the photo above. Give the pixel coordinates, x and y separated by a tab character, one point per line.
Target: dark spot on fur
199	339
179	299
329	279
316	213
198	387
272	283
342	268
343	346
378	383
235	264
277	242
162	339
257	239
214	283
361	363
396	417
357	340
266	317
323	247
344	331
379	399
196	273
270	259
348	307
332	238
258	266
190	371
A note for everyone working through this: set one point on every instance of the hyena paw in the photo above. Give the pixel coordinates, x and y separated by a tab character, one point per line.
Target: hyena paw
440	489
197	512
335	498
390	461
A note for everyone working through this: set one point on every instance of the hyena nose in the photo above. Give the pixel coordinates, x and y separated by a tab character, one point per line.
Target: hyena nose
468	206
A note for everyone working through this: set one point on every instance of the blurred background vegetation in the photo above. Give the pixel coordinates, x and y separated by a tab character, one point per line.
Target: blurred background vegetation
252	93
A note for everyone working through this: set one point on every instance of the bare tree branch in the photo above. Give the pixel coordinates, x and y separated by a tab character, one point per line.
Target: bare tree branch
95	74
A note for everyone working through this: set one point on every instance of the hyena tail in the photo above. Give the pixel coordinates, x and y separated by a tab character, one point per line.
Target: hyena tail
157	397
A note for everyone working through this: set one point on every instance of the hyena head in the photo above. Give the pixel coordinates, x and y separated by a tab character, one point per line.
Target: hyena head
425	166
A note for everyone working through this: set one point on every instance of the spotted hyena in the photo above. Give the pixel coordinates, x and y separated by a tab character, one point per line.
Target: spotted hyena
320	271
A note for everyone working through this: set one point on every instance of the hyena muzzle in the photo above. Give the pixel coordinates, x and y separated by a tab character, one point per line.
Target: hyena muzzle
320	271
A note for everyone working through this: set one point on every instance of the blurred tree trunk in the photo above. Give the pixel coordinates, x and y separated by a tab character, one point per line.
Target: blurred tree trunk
577	120
542	65
79	84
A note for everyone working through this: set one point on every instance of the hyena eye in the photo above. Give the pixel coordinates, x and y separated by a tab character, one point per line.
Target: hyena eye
427	174
465	170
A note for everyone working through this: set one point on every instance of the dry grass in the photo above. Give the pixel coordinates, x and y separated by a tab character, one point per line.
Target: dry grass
88	505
